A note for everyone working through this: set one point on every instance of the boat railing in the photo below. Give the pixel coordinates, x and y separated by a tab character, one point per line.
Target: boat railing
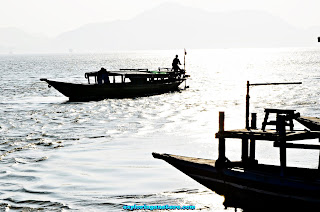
95	75
140	74
91	74
280	137
166	69
134	69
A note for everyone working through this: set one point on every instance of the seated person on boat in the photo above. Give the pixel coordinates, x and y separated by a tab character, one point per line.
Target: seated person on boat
103	75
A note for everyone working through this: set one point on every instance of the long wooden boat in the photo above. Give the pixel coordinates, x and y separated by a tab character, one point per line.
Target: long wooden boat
250	185
260	186
125	83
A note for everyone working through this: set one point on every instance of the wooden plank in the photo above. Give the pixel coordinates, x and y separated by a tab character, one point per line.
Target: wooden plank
276	83
302	135
201	161
279	111
269	135
249	134
313	123
298	146
134	69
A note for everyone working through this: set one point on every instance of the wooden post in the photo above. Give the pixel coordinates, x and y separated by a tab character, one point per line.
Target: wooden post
221	121
87	76
222	146
184	60
319	159
253	120
265	120
244	155
252	141
247	106
283	152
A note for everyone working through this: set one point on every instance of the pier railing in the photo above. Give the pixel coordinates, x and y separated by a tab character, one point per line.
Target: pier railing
258	84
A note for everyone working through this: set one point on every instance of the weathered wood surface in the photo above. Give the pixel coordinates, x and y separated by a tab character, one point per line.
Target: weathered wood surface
313	123
88	92
289	116
260	184
269	135
298	146
184	158
131	72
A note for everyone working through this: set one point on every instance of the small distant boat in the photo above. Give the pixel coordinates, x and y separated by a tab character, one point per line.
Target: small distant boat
125	83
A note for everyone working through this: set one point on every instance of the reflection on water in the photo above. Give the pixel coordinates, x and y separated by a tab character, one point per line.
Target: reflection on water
59	155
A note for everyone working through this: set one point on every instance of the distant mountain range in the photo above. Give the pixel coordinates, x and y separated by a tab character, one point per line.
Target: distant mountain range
168	26
16	40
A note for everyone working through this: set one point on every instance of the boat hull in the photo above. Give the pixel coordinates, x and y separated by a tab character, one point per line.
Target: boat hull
84	92
261	187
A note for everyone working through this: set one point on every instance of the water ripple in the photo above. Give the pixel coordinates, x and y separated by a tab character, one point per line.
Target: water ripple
59	155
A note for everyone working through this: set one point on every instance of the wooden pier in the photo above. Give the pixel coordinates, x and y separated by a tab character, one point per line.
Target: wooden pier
280	137
313	123
249	184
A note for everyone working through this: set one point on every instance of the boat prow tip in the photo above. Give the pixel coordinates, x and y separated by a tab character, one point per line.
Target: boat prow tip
160	156
46	80
157	155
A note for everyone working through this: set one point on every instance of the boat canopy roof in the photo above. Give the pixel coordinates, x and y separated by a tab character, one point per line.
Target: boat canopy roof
136	73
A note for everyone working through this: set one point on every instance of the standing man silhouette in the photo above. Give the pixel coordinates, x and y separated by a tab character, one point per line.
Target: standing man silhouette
175	64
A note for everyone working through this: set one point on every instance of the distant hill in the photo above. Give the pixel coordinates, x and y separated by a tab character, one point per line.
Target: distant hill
13	39
172	26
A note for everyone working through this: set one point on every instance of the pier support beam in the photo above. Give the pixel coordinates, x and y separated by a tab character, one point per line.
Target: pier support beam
252	157
319	159
282	139
244	154
247	106
222	143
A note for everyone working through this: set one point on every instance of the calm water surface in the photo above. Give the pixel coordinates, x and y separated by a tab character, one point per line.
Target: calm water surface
96	156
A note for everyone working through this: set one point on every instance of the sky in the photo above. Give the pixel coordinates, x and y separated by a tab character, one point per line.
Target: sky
52	17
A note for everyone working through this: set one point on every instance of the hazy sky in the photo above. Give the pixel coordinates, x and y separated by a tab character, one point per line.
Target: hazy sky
52	17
